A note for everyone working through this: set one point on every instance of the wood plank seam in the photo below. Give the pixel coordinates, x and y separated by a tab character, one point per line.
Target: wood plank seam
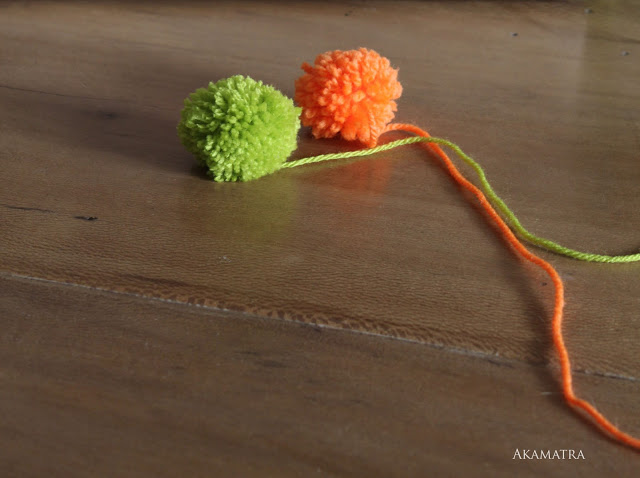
490	358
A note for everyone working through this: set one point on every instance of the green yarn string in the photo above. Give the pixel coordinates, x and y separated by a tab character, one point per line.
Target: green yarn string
488	190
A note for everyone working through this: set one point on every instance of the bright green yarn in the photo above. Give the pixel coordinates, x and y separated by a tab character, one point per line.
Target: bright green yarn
239	128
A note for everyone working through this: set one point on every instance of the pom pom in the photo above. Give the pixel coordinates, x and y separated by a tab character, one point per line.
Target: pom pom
239	128
348	92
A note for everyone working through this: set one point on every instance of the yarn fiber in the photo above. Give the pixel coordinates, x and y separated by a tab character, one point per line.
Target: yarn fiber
349	93
239	128
242	129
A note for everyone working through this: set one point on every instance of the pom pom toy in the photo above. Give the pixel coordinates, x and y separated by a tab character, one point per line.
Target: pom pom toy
350	93
239	128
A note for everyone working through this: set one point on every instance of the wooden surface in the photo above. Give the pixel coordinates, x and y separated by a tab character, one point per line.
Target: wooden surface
142	306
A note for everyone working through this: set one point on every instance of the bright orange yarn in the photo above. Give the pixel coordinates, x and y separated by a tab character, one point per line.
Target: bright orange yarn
348	92
352	93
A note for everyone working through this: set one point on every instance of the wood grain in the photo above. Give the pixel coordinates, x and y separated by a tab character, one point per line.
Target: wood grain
98	194
102	384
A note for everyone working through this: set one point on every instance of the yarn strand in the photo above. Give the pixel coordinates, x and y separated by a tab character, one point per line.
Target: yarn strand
433	145
578	404
488	190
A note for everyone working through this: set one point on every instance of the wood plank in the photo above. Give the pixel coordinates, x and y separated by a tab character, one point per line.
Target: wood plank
94	383
386	246
90	95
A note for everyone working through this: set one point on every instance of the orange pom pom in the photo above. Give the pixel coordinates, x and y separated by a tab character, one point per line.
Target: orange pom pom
348	92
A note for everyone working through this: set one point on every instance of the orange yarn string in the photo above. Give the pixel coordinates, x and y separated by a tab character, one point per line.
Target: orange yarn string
576	403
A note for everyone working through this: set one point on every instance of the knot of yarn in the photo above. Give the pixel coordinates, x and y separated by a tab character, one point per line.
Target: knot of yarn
349	93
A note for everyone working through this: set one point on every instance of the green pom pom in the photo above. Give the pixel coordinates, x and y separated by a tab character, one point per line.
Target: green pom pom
239	128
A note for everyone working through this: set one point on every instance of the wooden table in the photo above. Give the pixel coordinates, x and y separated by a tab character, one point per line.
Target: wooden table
342	319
